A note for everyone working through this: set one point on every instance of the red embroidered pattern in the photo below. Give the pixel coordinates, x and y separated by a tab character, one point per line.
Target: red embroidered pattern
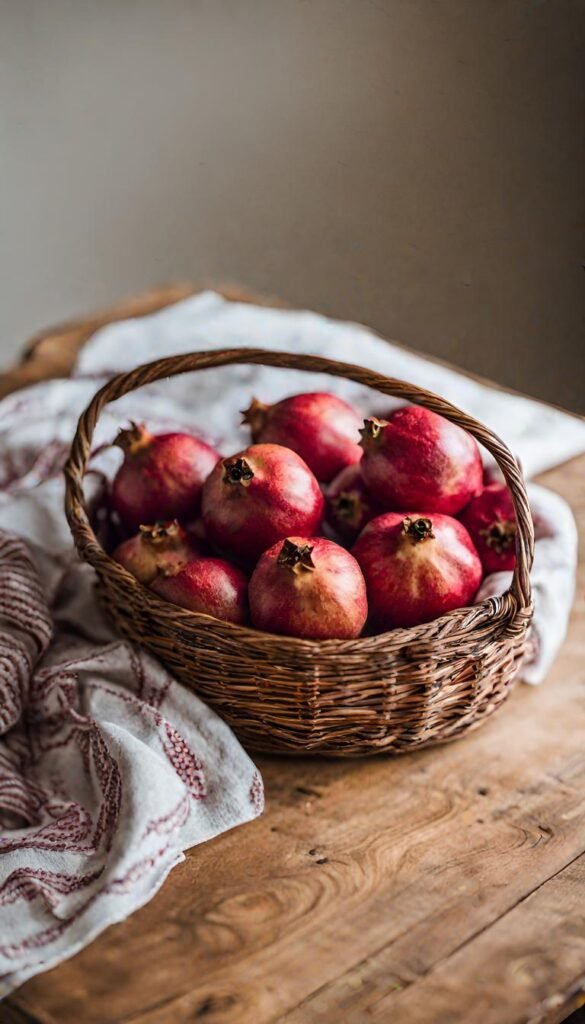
256	794
119	885
34	883
172	821
183	760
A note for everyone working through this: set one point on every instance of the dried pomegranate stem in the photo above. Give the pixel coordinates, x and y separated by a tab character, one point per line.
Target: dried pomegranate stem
296	556
133	439
501	535
255	416
162	533
417	529
237	471
372	429
348	506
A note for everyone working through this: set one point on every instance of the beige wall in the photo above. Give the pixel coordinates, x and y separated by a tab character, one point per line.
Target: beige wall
415	164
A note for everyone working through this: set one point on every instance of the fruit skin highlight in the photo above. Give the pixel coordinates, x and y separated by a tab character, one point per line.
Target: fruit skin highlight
155	549
310	588
490	520
321	428
161	476
417	459
417	567
349	504
210	586
257	497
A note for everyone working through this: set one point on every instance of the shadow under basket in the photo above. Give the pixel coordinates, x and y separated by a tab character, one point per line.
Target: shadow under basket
391	693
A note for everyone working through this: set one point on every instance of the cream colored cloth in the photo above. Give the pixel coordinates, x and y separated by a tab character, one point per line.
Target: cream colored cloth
108	768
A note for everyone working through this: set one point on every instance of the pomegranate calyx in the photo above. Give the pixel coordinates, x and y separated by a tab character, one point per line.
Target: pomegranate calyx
348	506
417	529
296	556
372	430
500	535
133	439
237	471
172	568
162	532
255	417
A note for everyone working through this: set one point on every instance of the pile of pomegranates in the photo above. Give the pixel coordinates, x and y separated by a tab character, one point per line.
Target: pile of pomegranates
327	525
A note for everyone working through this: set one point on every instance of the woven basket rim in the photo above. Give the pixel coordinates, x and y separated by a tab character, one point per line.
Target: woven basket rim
90	550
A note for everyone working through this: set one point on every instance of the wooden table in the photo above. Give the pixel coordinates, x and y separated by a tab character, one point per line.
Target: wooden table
440	887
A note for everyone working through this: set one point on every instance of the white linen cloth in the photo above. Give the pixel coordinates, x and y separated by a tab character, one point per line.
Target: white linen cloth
108	768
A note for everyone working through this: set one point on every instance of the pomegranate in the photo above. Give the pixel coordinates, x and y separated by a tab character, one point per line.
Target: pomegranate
156	549
416	567
321	428
257	497
196	529
161	476
309	588
349	504
490	520
210	586
417	459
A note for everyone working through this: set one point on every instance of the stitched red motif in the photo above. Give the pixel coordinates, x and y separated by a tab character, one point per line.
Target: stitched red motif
256	794
183	760
34	883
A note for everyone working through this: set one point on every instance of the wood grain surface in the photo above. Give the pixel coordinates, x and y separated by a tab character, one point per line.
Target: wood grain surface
444	886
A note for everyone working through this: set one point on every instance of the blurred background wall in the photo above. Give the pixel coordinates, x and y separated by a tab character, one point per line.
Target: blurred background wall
414	164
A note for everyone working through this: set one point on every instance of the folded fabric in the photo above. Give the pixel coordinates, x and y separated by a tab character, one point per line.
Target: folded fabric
109	769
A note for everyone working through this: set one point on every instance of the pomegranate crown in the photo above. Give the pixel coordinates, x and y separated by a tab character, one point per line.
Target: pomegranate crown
500	535
372	430
348	505
296	556
418	529
237	471
162	532
255	416
133	439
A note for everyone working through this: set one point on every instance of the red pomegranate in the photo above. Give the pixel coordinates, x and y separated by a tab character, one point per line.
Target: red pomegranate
196	529
349	504
310	588
321	428
417	459
490	520
210	586
156	549
161	476
417	567
257	497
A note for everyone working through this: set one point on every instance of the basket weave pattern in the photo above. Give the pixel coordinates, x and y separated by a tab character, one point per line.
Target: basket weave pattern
393	692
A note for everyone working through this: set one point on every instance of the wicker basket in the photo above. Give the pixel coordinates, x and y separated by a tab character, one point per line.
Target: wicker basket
393	692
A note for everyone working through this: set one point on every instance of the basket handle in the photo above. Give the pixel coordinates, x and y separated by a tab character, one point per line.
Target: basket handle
75	468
